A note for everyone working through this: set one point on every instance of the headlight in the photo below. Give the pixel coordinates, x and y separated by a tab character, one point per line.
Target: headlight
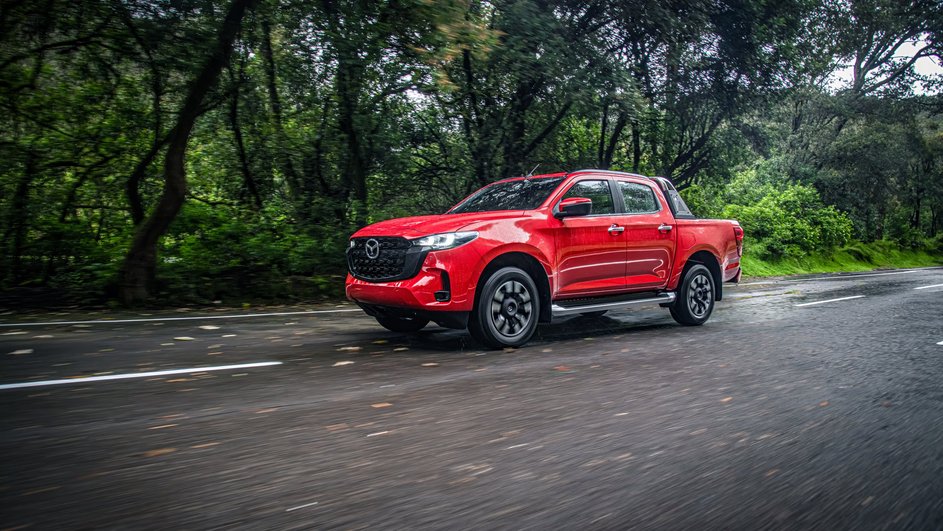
448	240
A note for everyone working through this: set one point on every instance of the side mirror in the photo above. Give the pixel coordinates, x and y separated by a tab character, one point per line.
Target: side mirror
573	206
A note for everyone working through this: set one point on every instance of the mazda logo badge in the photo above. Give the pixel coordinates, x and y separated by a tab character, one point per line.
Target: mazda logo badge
373	248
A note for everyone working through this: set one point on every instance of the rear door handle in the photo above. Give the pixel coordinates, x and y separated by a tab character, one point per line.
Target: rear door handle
664	227
615	228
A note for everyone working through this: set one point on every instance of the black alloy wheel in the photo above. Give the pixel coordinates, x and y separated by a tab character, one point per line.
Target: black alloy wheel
695	300
507	309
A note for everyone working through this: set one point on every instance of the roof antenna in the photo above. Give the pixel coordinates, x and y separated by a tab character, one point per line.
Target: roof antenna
531	174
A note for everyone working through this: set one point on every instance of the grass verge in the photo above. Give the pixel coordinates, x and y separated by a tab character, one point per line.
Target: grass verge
855	257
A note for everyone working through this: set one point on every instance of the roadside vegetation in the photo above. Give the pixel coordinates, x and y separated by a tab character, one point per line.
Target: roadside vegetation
206	150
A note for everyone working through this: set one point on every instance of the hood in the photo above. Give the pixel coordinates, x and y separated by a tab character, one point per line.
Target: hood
418	226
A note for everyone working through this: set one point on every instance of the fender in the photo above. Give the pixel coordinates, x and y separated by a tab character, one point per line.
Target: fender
684	256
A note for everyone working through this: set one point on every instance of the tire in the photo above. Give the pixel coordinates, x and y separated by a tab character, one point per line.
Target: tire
695	300
506	309
593	315
402	324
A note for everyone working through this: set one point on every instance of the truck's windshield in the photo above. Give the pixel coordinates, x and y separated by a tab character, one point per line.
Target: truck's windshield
524	194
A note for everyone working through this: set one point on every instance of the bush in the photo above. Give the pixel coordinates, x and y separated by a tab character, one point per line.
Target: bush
787	221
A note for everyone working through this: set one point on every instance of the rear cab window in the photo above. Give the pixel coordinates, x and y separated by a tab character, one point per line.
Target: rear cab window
638	198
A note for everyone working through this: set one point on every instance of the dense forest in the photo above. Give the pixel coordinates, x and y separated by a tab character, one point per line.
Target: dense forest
211	149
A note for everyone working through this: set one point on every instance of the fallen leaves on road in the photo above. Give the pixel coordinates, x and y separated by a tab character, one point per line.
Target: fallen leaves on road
772	472
563	368
21	352
726	400
208	327
348	349
342	363
162	426
377	433
381	405
266	410
380	342
159	452
431	364
337	427
183	338
823	403
400	349
204	445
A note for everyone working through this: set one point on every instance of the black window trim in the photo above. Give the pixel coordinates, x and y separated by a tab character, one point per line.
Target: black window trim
625	211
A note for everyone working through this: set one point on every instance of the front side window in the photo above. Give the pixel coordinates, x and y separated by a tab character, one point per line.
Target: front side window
639	199
522	194
597	191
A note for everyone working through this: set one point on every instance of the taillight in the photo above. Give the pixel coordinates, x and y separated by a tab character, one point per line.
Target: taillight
738	234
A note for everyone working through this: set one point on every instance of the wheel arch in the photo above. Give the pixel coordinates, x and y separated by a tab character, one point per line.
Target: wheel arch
532	266
710	261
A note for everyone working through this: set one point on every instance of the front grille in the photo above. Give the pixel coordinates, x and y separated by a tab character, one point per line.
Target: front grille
396	259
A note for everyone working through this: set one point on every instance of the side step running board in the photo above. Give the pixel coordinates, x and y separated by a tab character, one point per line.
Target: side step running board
562	311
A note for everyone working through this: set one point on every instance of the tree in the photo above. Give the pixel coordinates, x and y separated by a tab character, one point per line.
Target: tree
138	274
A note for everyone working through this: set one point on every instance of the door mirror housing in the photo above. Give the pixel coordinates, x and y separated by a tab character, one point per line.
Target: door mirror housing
573	206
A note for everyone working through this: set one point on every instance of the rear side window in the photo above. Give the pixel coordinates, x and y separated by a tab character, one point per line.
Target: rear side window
638	198
597	191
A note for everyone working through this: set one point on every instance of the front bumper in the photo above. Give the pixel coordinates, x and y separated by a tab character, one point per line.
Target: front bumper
445	283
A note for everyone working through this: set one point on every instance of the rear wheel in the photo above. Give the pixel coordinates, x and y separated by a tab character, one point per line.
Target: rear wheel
402	324
506	310
695	300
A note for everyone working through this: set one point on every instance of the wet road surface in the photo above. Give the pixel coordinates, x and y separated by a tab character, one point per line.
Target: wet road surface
804	403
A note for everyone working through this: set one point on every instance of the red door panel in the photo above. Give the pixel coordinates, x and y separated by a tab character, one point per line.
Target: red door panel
590	259
649	237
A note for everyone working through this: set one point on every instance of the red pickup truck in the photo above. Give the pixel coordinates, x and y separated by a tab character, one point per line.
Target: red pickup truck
531	249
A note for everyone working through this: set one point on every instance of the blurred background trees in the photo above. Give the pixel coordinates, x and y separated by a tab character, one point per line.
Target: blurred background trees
209	150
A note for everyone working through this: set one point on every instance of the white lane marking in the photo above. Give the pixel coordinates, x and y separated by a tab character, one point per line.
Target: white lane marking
833	277
191	318
300	507
933	286
830	300
940	343
137	375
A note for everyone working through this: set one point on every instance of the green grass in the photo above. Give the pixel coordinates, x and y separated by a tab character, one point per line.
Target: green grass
855	257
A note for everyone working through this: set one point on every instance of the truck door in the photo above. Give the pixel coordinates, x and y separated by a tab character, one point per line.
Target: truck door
590	249
650	236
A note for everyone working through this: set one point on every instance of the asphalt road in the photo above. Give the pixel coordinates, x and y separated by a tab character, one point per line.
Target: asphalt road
776	414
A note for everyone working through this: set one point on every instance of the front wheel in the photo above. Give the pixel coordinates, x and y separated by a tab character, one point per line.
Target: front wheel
506	310
402	324
695	300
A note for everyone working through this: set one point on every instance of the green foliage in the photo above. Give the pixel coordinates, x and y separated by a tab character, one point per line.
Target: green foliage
780	219
856	256
331	115
215	253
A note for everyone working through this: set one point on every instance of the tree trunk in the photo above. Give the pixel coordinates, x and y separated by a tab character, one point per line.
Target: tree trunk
247	177
282	154
636	146
349	87
19	216
137	276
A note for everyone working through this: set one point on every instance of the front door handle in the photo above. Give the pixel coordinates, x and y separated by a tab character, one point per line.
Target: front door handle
615	228
664	227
